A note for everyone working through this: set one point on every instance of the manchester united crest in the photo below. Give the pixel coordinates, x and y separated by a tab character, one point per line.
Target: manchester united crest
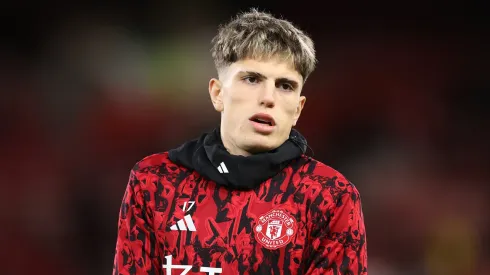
275	229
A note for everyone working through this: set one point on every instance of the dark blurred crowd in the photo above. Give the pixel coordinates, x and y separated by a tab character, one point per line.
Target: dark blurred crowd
403	113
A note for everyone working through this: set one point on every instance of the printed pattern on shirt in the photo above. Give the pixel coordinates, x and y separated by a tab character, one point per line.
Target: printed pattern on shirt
327	237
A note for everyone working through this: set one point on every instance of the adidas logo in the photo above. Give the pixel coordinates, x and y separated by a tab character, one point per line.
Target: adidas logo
181	225
222	168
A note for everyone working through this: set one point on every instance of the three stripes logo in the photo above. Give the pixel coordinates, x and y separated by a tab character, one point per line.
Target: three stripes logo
187	220
222	168
181	225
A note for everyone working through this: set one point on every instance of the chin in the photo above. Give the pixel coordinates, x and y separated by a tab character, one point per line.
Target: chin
261	144
259	149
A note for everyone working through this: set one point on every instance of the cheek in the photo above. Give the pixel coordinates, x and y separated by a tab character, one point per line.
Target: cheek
238	99
235	105
290	107
238	94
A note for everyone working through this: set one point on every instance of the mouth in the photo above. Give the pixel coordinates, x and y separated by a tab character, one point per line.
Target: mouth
263	119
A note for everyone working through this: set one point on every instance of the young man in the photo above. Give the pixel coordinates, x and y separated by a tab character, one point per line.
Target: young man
244	198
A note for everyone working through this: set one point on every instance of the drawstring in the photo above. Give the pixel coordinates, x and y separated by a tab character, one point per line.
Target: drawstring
301	145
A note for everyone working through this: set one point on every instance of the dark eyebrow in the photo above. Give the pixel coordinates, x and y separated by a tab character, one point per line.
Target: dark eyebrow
254	74
281	80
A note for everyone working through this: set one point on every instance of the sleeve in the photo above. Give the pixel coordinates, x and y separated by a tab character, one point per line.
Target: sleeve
136	251
341	246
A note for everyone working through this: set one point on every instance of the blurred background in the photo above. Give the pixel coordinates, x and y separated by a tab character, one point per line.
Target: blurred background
398	104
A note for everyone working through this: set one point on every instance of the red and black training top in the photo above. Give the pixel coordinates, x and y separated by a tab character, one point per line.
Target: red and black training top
307	219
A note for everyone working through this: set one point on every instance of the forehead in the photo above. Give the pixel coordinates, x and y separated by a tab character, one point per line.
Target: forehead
270	68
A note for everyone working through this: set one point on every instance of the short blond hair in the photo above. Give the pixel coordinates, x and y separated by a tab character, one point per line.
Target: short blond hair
259	35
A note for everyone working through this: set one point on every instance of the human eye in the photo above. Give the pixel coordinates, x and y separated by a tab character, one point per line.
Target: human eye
286	87
251	79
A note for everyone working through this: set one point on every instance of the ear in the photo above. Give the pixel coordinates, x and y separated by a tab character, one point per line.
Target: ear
299	108
215	92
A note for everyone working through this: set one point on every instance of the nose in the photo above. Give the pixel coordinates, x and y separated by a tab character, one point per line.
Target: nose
267	96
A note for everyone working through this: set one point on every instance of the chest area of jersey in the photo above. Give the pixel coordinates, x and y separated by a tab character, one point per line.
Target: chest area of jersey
251	231
228	219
